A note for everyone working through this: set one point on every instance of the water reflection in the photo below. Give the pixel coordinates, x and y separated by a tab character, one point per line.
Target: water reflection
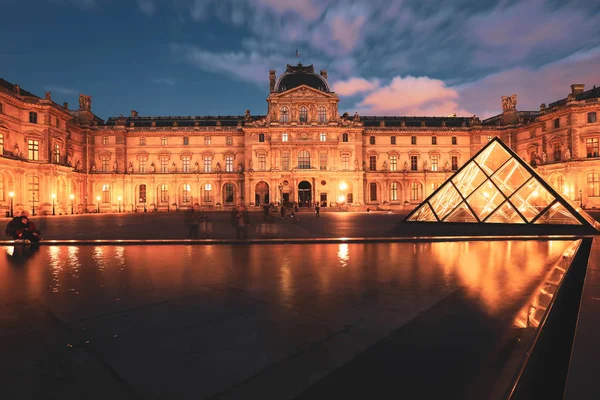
343	255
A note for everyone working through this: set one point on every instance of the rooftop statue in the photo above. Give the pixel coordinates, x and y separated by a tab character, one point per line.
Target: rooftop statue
509	103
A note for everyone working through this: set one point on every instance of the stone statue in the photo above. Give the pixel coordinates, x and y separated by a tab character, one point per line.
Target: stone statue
196	167
509	103
385	166
294	113
134	114
405	165
475	120
130	168
446	166
16	150
425	165
85	102
356	117
356	164
542	106
66	105
218	168
544	157
333	113
364	166
48	96
250	164
153	124
77	164
247	116
93	166
240	167
567	154
173	167
17	89
115	166
313	113
152	168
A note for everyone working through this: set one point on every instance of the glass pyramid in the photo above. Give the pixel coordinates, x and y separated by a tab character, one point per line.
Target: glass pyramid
497	186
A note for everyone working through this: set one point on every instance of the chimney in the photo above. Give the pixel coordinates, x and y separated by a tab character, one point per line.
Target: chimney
324	73
577	88
272	78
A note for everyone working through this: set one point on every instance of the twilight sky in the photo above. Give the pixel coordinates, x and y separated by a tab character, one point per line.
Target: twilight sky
384	57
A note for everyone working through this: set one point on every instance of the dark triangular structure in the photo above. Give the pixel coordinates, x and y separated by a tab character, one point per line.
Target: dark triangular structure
497	186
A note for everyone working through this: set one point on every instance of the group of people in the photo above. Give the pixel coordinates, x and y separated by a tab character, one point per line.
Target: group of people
193	218
23	230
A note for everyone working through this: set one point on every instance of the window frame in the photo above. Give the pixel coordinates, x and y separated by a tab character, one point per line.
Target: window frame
322	115
593	184
434	140
228	163
592	117
284	114
33	117
454	140
33	149
372	163
392	139
414	163
303	114
344	137
413	140
303	159
372	140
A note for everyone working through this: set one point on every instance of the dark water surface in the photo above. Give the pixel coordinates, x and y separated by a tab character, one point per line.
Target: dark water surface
239	321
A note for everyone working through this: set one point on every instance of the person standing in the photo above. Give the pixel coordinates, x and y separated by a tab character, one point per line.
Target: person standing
192	221
317	209
240	219
282	211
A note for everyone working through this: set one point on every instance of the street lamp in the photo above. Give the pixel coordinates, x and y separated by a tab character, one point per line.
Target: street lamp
120	198
281	193
11	195
53	198
98	200
72	197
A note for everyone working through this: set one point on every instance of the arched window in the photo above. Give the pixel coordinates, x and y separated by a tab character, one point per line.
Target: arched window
186	189
304	160
322	115
106	193
142	193
284	115
164	193
284	137
415	191
372	191
33	189
394	191
323	137
207	191
593	185
303	114
228	193
344	137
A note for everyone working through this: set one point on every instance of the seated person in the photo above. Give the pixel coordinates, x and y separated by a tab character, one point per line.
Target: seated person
24	230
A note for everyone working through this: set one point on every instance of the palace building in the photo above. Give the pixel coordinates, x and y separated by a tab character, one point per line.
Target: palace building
302	150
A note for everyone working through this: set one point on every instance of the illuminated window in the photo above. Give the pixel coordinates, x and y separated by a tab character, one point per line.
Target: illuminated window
392	139
304	160
393	163
105	162
591	116
344	137
373	191
164	164
322	115
229	193
142	193
33	147
207	164
434	162
413	163
104	140
207	140
285	161
557	123
142	164
489	138
186	190
33	189
557	152
371	139
413	140
57	153
142	141
372	163
229	141
433	140
323	137
106	194
228	163
454	162
262	162
454	140
33	117
415	191
346	161
284	114
284	137
207	192
593	185
185	164
164	193
163	141
394	191
186	141
261	137
303	114
323	161
591	147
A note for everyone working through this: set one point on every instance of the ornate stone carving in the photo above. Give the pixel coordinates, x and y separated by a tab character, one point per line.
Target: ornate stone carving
356	117
17	89
85	102
196	167
247	116
385	166
475	120
405	165
218	168
509	103
66	105
567	154
152	168
153	124
134	114
48	96
313	113
77	165
115	166
175	124
93	166
173	167
356	164
218	123
544	157
16	151
542	106
130	169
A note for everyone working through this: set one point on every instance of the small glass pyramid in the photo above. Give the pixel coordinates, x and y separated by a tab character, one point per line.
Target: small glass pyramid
497	186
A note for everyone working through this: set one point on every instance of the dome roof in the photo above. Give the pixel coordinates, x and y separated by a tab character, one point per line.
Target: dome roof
295	76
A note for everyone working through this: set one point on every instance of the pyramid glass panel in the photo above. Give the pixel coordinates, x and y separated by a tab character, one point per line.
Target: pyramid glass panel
445	200
505	214
557	214
510	177
485	200
461	214
468	179
492	157
531	199
424	214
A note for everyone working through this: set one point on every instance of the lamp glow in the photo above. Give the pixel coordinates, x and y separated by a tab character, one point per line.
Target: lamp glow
341	199
343	186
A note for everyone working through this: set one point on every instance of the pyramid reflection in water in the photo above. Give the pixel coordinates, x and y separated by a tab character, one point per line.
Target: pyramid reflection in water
497	186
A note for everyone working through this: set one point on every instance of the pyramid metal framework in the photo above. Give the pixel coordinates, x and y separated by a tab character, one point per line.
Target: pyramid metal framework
497	186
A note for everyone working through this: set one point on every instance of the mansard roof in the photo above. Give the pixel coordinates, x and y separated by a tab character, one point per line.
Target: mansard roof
588	94
373	121
182	121
297	75
11	87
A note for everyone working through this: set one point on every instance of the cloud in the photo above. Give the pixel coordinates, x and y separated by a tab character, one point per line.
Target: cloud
62	90
355	85
147	6
164	81
308	9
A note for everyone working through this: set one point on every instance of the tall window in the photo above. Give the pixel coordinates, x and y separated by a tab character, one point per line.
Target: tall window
142	193
228	163
57	153
164	164
413	163
284	115
164	193
304	160
207	164
106	194
303	114
262	162
207	140
593	185
186	189
413	140
591	117
394	191
454	140
261	137
229	141
415	191
186	141
285	161
33	117
433	140
557	152
33	147
142	141
454	162
373	191
591	147
185	164
392	139
229	193
284	137
163	141
142	165
372	163
434	162
371	139
393	163
557	123
207	191
323	137
322	115
344	137
345	161
105	160
323	161
104	140
33	189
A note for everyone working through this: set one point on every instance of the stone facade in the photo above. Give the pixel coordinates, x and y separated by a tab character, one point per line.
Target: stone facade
302	151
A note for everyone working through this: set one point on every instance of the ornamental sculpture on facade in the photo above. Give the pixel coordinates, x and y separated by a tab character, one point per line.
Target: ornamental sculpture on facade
85	102
509	103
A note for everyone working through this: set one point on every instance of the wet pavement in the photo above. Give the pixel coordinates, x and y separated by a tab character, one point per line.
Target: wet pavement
264	321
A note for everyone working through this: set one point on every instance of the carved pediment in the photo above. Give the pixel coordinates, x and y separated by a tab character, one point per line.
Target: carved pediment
303	91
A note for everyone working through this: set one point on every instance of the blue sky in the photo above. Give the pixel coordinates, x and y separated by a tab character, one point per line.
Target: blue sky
384	57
